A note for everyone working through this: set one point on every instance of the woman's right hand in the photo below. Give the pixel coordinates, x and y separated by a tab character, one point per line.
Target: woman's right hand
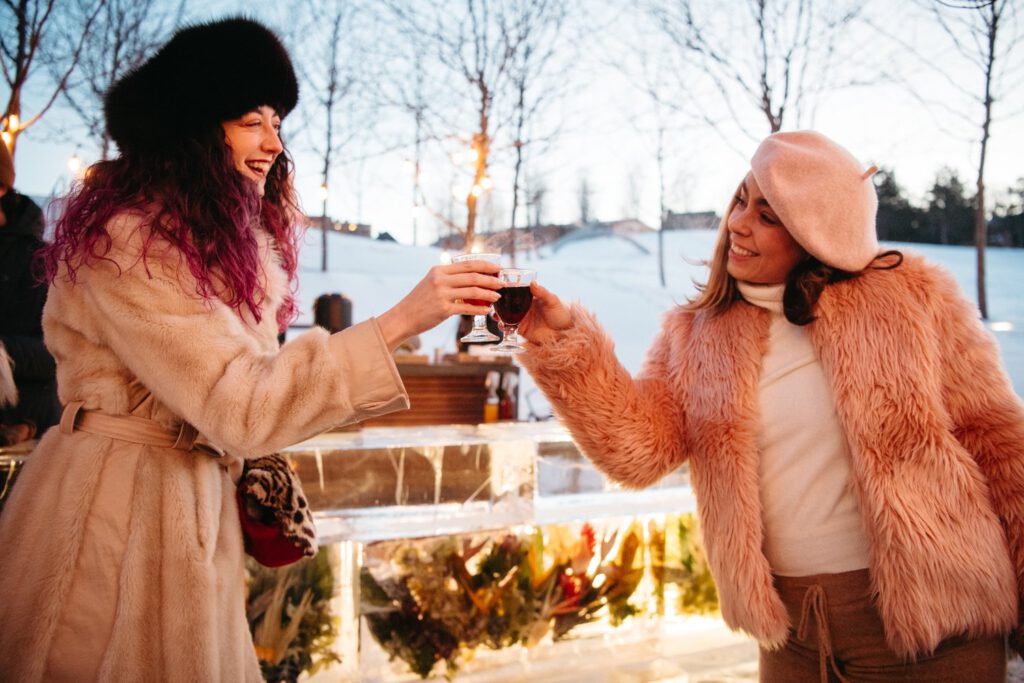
547	316
439	295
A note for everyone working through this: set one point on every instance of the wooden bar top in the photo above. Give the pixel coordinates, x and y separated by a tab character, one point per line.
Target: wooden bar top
444	393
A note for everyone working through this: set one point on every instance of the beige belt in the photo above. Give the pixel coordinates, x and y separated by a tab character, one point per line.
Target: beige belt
134	429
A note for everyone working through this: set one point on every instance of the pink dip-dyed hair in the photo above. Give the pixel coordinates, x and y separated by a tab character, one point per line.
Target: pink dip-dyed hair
204	207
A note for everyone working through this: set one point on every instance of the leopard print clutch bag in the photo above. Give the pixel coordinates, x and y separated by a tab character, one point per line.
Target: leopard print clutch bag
275	515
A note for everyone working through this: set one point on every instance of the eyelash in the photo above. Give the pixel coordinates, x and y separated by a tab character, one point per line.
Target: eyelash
741	201
256	124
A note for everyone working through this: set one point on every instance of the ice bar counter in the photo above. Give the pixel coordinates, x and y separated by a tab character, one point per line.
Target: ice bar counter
490	552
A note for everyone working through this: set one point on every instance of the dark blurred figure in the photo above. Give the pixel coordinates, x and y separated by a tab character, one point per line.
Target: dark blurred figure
333	312
21	312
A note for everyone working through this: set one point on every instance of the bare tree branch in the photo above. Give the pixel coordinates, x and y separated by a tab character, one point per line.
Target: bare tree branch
123	35
791	60
30	32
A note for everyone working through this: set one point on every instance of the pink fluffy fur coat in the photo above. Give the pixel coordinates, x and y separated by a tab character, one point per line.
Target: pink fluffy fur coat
935	429
122	562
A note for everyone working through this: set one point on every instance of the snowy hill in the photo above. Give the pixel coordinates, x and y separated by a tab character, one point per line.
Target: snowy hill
615	279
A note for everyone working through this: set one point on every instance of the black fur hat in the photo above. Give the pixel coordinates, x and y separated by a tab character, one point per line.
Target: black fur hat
206	73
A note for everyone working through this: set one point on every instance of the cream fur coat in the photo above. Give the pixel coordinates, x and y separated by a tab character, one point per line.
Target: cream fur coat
936	436
122	562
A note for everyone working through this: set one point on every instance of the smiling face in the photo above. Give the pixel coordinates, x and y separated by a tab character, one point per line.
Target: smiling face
255	142
761	250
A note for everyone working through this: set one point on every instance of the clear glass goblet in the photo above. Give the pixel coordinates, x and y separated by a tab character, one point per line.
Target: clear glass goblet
513	306
479	333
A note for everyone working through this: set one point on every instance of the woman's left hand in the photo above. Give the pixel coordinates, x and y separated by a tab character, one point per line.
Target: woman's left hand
547	317
443	292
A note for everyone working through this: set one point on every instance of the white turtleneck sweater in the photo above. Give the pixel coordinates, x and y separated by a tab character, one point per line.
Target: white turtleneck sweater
812	520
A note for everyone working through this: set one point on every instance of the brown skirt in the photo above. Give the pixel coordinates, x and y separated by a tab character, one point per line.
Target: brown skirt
839	637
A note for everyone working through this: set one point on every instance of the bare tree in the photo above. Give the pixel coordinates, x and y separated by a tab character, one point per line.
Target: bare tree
329	63
28	36
649	73
775	61
404	82
536	29
584	195
536	191
418	109
631	202
477	43
123	35
984	32
477	50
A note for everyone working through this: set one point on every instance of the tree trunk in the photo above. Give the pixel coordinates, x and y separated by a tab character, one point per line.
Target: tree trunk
323	210
416	190
332	90
481	144
661	205
324	187
515	201
980	226
520	123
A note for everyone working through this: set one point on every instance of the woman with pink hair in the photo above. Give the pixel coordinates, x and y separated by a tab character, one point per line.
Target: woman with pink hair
172	272
856	449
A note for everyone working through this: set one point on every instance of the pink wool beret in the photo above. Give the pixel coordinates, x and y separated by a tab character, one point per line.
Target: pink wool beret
823	195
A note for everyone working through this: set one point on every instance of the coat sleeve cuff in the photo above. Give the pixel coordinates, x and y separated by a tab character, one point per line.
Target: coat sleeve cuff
374	384
573	349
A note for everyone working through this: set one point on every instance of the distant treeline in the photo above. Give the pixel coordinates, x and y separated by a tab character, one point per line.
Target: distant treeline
948	216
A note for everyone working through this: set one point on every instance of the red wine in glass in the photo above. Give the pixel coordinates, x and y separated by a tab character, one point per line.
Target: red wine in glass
514	304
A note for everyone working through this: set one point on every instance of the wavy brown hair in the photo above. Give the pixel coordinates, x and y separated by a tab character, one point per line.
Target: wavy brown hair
804	284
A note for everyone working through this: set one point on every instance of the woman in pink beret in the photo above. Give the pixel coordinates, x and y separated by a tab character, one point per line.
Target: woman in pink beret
855	446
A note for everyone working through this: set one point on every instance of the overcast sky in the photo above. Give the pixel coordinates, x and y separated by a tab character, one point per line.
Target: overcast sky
606	132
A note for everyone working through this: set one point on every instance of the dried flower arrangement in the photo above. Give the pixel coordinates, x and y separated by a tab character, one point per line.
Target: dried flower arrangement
439	601
290	619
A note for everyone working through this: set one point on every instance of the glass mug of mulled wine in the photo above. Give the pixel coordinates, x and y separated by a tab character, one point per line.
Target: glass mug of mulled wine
513	306
479	333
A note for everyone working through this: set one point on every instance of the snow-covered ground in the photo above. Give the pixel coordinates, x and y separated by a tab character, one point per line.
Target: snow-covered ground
616	279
